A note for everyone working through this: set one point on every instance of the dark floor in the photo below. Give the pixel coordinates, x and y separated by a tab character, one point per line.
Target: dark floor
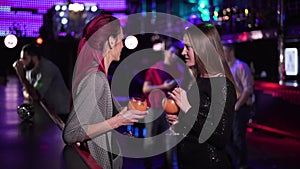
38	144
33	144
266	151
271	151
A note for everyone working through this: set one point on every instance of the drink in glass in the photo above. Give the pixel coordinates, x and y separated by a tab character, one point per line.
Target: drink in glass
170	107
136	103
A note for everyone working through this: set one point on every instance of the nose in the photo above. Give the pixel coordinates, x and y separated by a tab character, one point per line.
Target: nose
184	51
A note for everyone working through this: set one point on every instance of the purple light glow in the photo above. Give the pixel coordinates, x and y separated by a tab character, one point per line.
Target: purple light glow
62	34
11	94
229	41
11	105
256	21
29	23
193	16
11	88
43	6
123	18
12	121
11	117
115	5
10	133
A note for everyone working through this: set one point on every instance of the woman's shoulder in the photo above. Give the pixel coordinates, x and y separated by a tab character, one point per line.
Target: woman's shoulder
224	82
219	79
92	78
214	82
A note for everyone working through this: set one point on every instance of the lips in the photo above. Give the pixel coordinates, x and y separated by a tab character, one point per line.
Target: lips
187	58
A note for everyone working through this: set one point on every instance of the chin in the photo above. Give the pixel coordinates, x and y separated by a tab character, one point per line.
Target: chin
189	64
117	59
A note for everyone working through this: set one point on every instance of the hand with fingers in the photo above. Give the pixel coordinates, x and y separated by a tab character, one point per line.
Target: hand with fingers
19	67
172	119
180	97
131	116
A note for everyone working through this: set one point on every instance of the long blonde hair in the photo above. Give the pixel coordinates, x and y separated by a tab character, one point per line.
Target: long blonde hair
208	51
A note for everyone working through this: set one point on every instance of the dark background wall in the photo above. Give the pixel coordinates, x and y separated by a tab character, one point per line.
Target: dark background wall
264	56
62	52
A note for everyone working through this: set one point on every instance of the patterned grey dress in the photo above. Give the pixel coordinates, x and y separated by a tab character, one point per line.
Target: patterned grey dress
92	103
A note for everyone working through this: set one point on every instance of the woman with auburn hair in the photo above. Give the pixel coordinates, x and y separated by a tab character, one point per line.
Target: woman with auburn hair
207	107
91	119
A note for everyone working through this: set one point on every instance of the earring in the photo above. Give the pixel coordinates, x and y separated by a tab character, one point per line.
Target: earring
109	44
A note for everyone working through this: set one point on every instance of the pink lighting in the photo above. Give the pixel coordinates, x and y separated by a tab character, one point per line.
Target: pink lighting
43	6
28	23
288	93
243	37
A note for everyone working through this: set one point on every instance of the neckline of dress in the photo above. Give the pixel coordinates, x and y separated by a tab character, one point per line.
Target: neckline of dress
215	75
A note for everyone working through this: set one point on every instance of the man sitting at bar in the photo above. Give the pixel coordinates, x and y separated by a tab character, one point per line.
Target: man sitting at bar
42	80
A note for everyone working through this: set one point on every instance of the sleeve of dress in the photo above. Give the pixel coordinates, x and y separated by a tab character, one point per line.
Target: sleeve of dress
188	120
208	127
85	109
196	116
222	133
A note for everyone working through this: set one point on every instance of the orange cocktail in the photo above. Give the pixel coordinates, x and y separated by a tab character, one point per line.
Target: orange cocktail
137	104
170	106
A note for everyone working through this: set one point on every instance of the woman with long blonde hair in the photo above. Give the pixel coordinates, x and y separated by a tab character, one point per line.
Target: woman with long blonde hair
207	108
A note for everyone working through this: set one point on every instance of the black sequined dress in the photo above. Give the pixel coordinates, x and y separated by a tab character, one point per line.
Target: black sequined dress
206	127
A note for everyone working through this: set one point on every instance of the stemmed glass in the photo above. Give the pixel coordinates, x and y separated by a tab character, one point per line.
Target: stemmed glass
171	108
136	103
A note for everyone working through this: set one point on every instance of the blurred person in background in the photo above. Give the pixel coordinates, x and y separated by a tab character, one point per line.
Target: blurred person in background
242	74
161	78
42	80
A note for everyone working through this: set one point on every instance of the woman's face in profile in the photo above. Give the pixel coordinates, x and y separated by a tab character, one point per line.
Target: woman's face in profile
118	47
188	52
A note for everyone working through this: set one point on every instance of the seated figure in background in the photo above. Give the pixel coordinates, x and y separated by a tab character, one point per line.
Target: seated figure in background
42	80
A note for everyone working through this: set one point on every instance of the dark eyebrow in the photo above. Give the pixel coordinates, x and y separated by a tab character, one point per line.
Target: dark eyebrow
187	45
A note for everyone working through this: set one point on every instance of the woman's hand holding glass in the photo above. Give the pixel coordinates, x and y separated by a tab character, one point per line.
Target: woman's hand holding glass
171	108
130	116
172	119
180	97
139	108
